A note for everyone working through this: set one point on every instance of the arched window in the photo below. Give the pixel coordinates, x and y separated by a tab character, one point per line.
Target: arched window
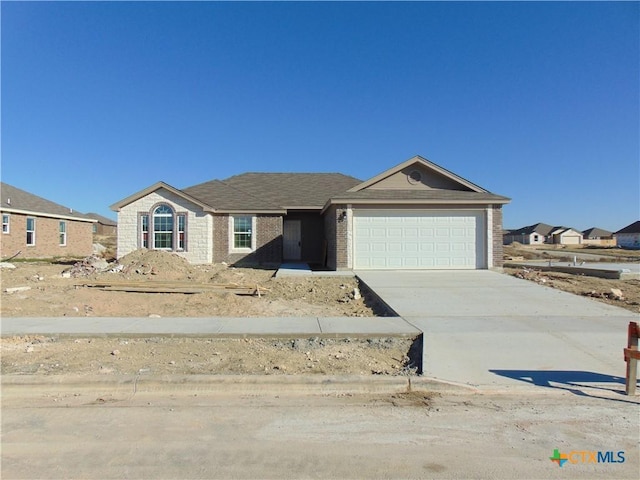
163	228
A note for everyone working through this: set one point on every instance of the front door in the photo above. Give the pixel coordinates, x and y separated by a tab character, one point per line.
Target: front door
291	240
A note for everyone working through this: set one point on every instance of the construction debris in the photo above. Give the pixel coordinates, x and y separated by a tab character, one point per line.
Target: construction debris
85	267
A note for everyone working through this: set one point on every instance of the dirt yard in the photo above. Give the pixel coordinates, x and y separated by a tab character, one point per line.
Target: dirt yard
620	293
51	290
41	290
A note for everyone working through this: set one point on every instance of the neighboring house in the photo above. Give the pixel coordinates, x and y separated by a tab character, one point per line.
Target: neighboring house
541	233
598	237
566	236
416	215
103	226
532	235
629	236
39	228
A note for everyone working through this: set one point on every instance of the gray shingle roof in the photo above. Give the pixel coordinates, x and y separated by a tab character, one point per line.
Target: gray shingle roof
595	232
271	191
294	189
101	219
633	228
15	199
539	228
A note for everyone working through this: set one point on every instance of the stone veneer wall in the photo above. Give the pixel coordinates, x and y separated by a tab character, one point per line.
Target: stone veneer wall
199	225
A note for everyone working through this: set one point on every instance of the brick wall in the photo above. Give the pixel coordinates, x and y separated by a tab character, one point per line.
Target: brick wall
79	242
330	236
498	260
268	250
335	230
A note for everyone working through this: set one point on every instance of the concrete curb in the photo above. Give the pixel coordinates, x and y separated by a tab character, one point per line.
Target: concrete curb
129	385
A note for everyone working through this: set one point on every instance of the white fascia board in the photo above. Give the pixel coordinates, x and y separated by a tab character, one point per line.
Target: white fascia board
48	215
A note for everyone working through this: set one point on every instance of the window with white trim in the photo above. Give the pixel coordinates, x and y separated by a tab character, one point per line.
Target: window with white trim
182	221
163	228
5	223
144	231
63	233
242	229
31	231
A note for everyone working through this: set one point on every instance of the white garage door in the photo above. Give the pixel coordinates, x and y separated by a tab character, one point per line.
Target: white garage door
445	239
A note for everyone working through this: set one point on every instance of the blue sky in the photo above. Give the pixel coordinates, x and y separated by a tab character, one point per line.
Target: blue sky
535	101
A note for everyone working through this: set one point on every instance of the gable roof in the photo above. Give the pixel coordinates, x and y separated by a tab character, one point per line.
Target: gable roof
633	228
595	232
101	219
157	186
418	160
16	200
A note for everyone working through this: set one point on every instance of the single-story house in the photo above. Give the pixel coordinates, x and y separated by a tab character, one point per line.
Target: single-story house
541	233
566	236
416	215
629	236
104	226
531	235
39	228
598	237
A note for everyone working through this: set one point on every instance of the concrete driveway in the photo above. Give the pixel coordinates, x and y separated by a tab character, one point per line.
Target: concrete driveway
492	331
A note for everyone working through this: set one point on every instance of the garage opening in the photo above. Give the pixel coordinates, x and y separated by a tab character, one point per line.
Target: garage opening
419	239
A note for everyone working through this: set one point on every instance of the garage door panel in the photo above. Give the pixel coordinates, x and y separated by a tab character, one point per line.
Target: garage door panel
418	239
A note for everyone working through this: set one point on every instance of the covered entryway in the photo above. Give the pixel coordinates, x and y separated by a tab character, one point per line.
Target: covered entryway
419	239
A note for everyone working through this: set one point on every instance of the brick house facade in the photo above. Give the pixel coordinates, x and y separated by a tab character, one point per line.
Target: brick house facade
414	215
38	228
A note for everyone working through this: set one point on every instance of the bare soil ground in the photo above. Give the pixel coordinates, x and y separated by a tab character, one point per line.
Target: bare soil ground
40	355
52	295
597	288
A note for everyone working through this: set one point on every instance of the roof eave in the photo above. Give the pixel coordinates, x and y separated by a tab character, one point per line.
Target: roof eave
157	186
342	201
48	215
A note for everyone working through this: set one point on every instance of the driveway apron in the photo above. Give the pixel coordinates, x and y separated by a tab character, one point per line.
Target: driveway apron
489	330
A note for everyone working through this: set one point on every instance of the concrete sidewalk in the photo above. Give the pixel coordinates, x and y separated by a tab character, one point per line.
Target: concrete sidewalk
493	331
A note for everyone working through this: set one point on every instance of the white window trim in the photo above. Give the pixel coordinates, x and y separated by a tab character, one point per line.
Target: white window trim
64	234
253	234
33	232
8	224
152	227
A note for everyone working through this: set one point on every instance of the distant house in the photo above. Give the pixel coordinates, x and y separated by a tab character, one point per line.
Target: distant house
532	235
598	237
565	236
103	226
38	228
629	236
541	233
